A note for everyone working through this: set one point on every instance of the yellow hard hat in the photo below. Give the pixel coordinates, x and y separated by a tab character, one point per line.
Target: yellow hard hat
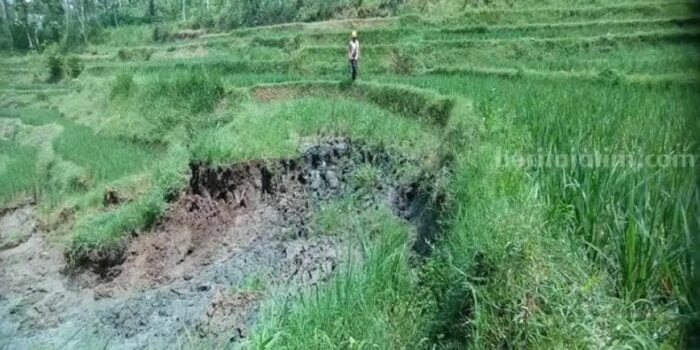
354	34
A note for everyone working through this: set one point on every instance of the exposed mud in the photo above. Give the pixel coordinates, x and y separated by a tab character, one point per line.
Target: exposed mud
202	271
16	226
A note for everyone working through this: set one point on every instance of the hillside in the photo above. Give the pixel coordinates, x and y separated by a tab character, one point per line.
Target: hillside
502	175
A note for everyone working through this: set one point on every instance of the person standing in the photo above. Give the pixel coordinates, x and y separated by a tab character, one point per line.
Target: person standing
354	54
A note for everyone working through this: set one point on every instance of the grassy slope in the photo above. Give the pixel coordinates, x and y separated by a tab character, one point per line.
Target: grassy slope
531	257
655	53
276	130
515	270
630	216
372	304
194	117
628	38
18	169
94	159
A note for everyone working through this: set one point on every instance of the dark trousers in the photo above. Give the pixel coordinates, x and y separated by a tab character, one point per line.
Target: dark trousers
353	69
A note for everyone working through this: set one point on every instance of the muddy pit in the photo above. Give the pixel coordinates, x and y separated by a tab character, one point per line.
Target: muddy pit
191	273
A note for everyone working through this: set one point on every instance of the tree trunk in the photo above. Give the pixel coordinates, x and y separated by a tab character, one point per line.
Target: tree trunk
151	8
82	21
6	21
29	37
25	13
7	11
36	38
66	21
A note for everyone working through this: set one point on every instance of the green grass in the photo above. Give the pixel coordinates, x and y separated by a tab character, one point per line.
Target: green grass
523	263
148	111
616	234
530	257
386	31
553	30
72	173
101	235
628	222
31	116
105	158
278	129
506	276
371	303
131	35
445	13
17	169
656	52
251	130
620	235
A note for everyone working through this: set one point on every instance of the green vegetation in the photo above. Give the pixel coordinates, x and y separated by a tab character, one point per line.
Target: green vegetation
278	130
372	305
18	170
60	67
31	116
195	117
530	254
105	158
164	102
101	236
609	231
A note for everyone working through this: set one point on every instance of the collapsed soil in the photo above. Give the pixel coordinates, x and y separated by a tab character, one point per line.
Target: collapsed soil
196	273
17	225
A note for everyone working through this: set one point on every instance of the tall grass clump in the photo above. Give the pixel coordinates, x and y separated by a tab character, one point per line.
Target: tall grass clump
126	35
373	302
278	129
32	116
409	101
148	110
60	67
17	170
447	12
102	237
55	69
105	158
74	66
630	213
423	105
134	54
626	225
122	86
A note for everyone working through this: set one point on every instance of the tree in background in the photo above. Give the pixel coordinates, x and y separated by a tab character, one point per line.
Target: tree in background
151	13
34	24
7	20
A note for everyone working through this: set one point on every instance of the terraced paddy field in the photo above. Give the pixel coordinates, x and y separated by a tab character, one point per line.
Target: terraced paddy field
496	178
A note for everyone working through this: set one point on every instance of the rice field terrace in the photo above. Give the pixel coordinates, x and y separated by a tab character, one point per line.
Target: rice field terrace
501	175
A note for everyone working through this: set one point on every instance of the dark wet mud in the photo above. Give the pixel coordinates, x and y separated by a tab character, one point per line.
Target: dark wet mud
202	271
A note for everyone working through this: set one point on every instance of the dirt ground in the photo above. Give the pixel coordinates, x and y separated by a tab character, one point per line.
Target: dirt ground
17	226
236	232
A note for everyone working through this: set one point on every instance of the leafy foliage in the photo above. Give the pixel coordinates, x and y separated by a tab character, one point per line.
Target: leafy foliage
55	68
74	66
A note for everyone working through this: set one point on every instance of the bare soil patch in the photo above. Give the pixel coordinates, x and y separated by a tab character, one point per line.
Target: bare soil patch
234	226
16	226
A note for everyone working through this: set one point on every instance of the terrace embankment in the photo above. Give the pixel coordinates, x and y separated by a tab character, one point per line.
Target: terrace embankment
235	235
